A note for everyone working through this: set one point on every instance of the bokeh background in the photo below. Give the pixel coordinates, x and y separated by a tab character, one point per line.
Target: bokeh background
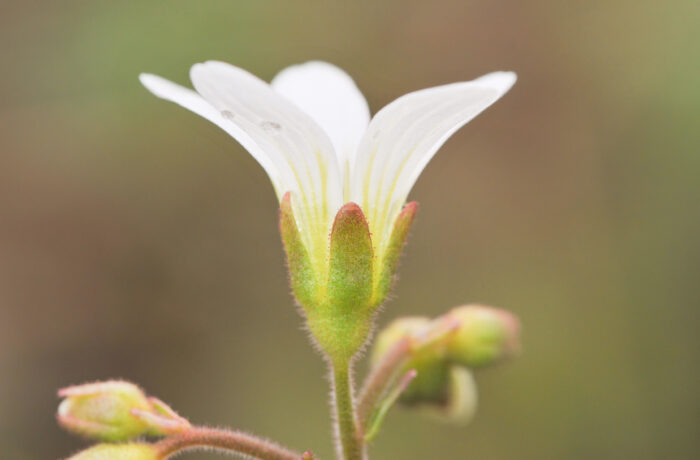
139	241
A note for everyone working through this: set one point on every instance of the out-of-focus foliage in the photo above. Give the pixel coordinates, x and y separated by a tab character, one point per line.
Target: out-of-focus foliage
138	241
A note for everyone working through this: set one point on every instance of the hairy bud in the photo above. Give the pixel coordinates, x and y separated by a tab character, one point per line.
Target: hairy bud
115	411
441	353
485	335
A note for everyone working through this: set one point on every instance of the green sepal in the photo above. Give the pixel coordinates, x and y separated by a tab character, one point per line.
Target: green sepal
392	253
301	273
342	323
350	268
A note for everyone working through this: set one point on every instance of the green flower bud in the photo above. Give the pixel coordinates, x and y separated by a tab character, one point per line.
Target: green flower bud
119	452
115	411
434	357
485	335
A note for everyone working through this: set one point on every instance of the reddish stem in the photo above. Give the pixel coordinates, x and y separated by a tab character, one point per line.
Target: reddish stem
224	440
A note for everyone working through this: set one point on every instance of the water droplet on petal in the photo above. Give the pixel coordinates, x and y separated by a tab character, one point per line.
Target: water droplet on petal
271	127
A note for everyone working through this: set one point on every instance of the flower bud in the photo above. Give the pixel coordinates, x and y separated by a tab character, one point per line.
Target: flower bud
485	335
115	411
434	356
119	452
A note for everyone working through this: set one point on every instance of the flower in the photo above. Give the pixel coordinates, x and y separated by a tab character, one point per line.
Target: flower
341	178
310	130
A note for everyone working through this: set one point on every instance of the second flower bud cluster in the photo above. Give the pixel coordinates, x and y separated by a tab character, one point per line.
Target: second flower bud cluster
443	352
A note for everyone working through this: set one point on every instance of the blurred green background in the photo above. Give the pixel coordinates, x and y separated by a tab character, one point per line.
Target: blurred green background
139	241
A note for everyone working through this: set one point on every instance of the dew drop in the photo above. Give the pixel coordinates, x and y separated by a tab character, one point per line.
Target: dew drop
271	127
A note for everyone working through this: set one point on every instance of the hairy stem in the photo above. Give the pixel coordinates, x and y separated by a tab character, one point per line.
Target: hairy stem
224	440
351	447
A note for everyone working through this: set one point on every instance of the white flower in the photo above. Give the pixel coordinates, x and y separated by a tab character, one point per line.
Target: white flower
310	130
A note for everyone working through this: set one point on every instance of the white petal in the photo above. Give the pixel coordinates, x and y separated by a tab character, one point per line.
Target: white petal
193	101
281	136
406	134
295	143
333	100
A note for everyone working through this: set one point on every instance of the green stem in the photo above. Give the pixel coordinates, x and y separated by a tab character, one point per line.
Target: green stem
351	445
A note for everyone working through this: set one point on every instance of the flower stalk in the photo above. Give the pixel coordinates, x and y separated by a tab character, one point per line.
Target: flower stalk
349	440
225	441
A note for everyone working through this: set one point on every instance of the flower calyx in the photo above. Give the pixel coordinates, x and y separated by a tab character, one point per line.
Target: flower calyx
340	299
